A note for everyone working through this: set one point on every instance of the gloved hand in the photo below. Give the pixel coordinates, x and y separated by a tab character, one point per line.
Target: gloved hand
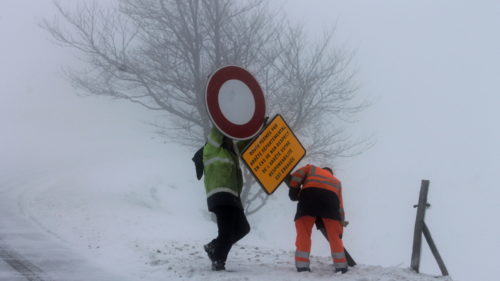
287	179
198	162
293	193
265	121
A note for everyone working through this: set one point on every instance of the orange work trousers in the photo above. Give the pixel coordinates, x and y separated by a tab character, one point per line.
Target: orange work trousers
304	226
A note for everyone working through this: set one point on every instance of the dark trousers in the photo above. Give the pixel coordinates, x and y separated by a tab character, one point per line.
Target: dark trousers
233	226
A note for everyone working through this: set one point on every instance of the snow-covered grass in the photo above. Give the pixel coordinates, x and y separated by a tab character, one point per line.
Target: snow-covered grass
143	214
249	262
87	173
98	181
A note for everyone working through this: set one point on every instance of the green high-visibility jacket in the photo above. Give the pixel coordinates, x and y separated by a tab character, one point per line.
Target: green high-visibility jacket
223	177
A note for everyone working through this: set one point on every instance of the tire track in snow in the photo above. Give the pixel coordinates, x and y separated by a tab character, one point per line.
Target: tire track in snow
21	265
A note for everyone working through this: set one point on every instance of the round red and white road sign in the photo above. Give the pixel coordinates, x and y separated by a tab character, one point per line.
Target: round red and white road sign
235	102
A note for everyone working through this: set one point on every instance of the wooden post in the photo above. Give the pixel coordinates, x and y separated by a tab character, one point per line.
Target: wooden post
417	234
421	227
434	250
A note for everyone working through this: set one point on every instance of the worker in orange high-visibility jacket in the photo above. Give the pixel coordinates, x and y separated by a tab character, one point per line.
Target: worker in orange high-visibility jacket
319	195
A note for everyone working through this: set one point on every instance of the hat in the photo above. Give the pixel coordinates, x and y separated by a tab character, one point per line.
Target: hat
328	169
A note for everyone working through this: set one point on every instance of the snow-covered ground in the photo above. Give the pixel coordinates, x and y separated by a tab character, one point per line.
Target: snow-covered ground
91	174
96	179
144	216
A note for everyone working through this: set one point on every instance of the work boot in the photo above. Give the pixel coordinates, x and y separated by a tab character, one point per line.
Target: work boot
210	249
343	270
303	269
218	265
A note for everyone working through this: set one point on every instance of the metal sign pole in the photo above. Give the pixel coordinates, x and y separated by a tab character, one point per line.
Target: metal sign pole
434	250
421	227
417	234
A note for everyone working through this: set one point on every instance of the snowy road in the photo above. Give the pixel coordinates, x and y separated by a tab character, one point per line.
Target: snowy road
118	221
28	254
7	273
15	267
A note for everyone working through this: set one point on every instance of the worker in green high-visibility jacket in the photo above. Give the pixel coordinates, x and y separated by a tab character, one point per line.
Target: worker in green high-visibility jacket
223	185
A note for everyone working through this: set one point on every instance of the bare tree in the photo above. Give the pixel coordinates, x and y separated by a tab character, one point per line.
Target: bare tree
159	53
312	86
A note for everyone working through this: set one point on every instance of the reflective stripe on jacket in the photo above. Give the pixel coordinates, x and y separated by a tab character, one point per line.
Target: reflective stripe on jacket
311	176
223	177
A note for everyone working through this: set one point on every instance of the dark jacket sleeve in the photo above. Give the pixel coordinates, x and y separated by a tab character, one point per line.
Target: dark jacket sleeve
198	162
293	193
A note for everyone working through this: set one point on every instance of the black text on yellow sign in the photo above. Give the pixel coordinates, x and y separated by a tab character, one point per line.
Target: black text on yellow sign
273	154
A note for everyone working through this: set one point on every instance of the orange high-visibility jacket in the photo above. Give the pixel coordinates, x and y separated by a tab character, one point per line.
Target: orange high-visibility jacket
313	177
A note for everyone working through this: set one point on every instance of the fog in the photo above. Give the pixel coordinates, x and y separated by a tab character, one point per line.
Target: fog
430	68
42	119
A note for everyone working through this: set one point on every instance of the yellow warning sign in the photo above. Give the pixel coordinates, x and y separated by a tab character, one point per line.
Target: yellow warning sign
273	154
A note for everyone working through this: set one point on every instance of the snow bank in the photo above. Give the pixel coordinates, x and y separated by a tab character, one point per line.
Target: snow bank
145	215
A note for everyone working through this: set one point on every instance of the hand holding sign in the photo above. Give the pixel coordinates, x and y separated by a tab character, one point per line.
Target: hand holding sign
236	105
273	154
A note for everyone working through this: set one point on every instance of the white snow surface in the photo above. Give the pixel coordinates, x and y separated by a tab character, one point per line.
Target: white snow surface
93	175
146	218
123	199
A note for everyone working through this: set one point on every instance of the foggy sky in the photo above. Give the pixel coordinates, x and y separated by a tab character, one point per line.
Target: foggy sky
433	69
430	67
